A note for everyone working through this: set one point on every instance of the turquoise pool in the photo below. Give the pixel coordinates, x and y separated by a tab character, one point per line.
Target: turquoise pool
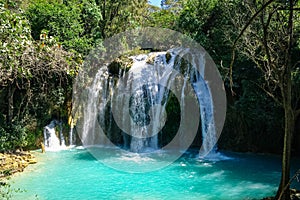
76	174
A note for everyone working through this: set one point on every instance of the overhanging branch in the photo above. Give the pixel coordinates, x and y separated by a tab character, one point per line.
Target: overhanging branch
268	93
240	35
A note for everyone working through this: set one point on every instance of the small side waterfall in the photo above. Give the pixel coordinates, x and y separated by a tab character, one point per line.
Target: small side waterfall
51	141
146	108
207	123
71	134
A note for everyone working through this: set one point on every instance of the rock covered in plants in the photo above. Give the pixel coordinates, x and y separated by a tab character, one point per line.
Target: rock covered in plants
120	65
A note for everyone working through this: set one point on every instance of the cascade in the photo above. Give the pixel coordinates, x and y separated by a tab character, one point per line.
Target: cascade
147	104
71	134
51	141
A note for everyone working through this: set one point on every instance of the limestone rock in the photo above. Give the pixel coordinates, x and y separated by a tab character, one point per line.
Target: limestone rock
31	161
17	162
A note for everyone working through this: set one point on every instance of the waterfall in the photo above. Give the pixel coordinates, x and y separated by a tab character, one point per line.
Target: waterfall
71	135
148	96
51	141
136	121
207	119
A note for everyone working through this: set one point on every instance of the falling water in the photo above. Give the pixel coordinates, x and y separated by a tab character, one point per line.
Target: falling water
147	104
71	133
51	141
207	122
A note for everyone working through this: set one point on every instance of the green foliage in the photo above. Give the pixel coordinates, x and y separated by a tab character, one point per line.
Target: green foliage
20	134
296	76
14	40
91	18
80	25
7	192
168	16
35	80
12	137
118	16
60	21
163	19
207	22
195	16
14	4
21	57
251	121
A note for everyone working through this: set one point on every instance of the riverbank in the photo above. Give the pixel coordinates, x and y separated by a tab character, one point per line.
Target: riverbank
11	163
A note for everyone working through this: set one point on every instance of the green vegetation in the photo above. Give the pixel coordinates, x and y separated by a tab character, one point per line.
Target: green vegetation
6	192
60	21
35	80
274	25
43	44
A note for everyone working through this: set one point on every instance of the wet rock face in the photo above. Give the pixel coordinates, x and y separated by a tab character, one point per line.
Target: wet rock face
120	65
168	57
17	162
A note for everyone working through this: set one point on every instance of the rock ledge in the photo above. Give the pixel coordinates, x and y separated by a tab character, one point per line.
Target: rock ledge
11	163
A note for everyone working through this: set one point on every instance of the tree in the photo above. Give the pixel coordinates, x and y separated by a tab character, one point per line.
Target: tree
35	78
82	24
206	22
118	16
268	39
91	17
59	20
162	18
173	5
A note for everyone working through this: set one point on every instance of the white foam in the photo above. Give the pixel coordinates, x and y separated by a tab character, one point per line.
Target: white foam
214	157
214	175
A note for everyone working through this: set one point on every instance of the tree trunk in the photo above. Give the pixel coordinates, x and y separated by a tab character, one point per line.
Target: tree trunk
10	110
283	192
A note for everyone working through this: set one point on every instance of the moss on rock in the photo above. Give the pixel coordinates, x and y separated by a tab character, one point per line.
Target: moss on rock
151	59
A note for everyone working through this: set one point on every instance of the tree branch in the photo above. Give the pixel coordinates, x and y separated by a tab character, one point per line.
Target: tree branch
240	35
268	93
289	183
294	66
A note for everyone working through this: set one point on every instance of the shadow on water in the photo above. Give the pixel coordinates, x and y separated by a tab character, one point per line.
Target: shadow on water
84	155
98	153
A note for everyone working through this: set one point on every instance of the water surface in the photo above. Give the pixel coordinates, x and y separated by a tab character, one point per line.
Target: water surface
75	174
